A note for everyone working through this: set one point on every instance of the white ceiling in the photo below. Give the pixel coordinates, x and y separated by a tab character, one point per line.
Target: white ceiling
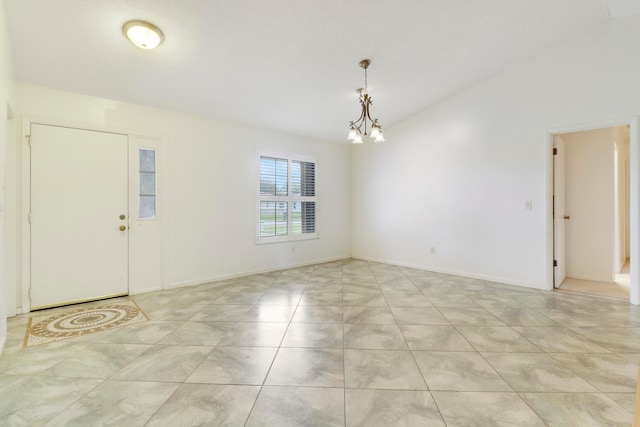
288	65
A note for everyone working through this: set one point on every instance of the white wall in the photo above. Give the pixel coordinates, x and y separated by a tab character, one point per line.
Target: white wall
6	130
212	185
590	202
456	176
621	143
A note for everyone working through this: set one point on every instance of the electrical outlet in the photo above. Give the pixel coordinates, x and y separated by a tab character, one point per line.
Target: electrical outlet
528	205
433	250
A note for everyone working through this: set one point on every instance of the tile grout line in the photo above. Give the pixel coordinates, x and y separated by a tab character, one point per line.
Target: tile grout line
274	358
413	356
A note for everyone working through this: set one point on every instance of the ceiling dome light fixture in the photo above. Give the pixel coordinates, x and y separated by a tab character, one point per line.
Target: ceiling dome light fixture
143	34
356	131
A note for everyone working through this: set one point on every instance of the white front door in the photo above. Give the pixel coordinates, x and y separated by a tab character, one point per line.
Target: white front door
79	215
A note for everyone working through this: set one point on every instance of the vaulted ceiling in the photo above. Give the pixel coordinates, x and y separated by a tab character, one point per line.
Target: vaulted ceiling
288	65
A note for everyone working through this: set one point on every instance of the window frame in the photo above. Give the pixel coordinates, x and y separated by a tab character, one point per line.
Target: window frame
289	199
139	187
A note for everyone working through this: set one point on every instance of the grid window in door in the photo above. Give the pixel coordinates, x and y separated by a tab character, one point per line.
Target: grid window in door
147	184
287	199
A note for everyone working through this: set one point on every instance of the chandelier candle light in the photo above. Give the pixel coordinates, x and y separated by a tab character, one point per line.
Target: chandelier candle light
358	128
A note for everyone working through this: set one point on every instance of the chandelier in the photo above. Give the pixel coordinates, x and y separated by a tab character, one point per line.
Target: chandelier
358	128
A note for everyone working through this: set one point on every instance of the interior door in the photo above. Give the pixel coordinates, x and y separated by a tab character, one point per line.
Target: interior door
79	215
590	202
559	211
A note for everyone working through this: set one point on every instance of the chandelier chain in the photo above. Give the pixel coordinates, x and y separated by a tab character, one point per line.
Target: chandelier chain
365	81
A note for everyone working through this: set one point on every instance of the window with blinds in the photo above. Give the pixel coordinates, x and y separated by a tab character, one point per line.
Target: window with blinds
287	199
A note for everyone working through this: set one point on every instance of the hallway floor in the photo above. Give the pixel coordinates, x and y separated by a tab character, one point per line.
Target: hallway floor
611	290
620	288
345	343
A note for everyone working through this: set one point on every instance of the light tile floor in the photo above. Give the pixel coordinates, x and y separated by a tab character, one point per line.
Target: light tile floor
345	343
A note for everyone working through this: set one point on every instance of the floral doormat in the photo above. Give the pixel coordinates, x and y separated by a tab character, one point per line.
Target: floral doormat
74	323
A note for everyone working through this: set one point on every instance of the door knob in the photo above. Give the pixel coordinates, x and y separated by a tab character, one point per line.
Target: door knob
567	217
122	216
123	227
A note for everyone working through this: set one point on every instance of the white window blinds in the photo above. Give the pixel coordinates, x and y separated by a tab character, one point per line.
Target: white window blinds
287	199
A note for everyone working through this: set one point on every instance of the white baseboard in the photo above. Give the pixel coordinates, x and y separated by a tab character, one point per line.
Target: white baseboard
144	291
496	279
3	343
591	279
220	277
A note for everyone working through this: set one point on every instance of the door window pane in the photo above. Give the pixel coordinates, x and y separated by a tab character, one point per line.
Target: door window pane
147	207
147	160
147	184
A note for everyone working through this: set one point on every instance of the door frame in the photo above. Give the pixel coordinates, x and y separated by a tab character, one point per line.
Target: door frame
24	192
560	269
634	186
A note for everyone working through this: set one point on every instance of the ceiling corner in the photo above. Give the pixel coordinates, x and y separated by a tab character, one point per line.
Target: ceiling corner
622	8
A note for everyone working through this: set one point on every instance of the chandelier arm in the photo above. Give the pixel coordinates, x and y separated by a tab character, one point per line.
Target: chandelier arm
361	120
369	116
367	102
366	115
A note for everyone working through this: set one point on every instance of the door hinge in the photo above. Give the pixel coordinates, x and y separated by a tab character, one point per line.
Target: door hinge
555	263
28	140
555	151
29	293
30	217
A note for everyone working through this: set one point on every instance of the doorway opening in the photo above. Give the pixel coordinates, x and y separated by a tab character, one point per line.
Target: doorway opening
592	211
